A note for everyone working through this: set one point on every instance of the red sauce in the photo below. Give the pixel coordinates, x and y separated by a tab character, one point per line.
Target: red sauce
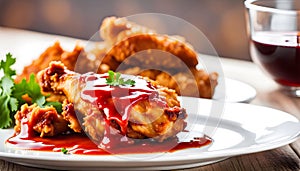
81	144
116	102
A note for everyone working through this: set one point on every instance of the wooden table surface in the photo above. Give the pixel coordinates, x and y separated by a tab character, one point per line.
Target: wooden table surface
26	44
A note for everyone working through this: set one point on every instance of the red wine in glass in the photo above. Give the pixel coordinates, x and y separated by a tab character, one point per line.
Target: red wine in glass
278	53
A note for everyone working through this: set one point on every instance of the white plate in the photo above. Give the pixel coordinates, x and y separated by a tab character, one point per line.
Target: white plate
243	129
235	91
229	90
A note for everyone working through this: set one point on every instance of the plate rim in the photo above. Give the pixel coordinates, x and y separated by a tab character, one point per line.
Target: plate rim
206	155
245	85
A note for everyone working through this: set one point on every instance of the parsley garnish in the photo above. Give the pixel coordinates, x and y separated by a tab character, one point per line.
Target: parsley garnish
33	90
115	79
11	94
8	103
64	150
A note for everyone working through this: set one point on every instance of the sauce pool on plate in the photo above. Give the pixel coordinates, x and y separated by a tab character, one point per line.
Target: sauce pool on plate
82	144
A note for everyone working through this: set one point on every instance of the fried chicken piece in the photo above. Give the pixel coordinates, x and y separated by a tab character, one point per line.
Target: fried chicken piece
52	53
70	59
44	121
123	39
56	79
134	45
158	116
114	30
69	115
152	121
206	82
196	83
148	43
76	58
126	38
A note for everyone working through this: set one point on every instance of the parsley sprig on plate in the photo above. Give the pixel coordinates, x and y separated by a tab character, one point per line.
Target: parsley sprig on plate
115	79
11	93
64	150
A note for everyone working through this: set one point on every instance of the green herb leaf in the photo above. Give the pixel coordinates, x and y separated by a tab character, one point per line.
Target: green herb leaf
11	94
13	103
115	79
8	103
56	105
64	150
33	90
6	65
5	119
7	85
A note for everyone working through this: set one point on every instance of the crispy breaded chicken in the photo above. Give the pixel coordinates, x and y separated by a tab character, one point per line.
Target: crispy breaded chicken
124	39
159	116
43	121
140	45
114	30
56	53
148	42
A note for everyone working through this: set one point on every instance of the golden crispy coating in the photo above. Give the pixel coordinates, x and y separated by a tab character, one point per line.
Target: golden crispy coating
94	125
114	29
56	79
70	116
206	82
150	120
197	83
145	119
44	121
141	44
52	53
123	39
147	43
56	53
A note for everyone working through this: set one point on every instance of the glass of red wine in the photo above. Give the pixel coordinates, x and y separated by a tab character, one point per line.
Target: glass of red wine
274	30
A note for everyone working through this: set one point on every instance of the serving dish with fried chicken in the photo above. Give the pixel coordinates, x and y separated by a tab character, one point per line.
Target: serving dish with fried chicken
126	92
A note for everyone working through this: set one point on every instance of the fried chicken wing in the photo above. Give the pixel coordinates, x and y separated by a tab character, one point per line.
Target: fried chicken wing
145	110
148	42
124	39
140	45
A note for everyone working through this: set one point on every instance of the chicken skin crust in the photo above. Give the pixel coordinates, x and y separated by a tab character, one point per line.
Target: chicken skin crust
42	121
124	39
145	110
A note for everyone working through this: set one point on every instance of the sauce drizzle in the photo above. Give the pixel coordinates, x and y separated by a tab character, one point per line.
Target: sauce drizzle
115	102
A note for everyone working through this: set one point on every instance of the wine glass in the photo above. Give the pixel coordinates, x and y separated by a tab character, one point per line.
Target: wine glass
273	27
